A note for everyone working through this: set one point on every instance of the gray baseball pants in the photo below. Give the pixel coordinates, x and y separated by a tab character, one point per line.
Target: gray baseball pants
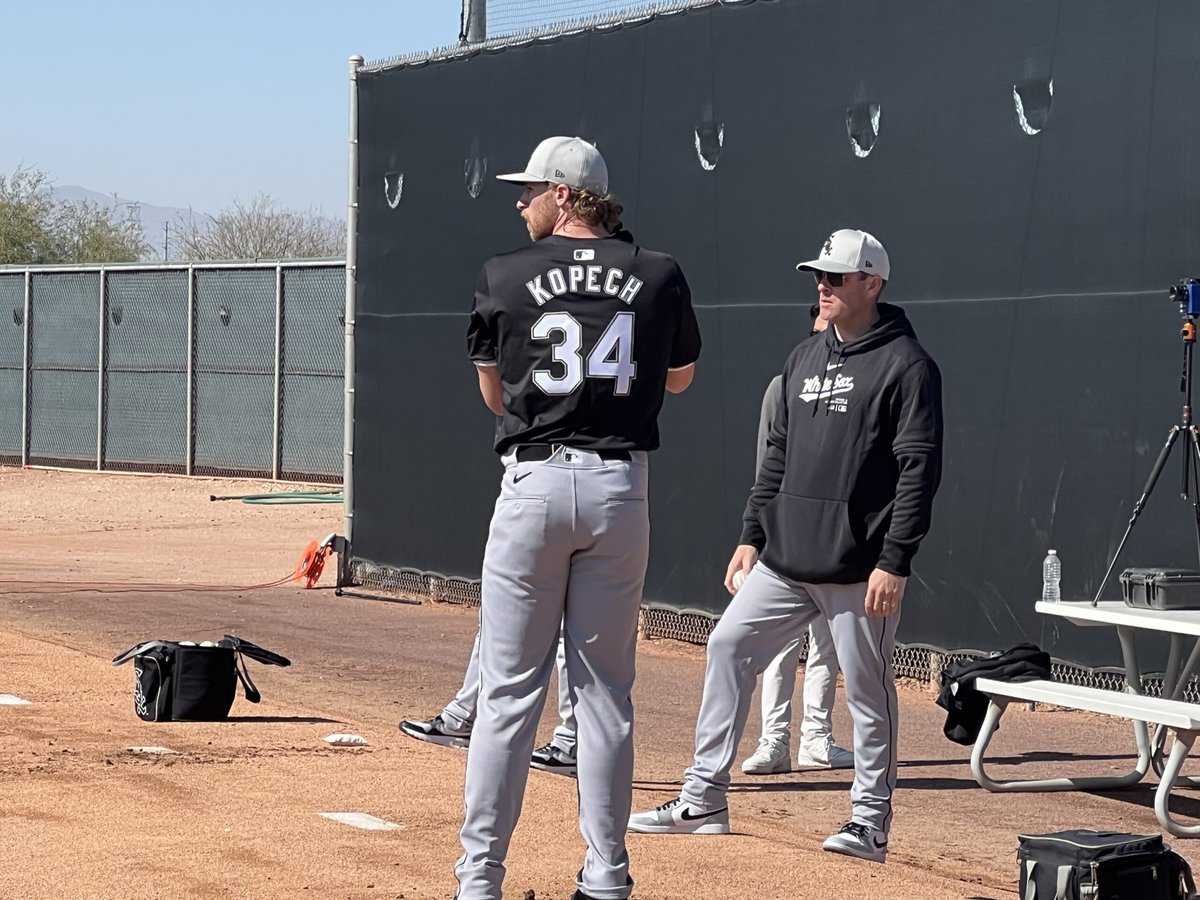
767	614
460	712
567	548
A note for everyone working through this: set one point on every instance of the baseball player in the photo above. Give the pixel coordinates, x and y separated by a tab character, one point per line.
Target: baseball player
575	339
817	748
452	726
841	503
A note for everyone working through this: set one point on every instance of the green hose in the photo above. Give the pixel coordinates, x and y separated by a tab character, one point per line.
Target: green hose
284	498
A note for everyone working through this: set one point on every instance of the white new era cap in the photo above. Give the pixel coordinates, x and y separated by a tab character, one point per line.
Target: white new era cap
851	250
564	160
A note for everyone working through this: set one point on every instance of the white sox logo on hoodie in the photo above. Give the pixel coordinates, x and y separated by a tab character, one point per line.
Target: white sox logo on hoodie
816	387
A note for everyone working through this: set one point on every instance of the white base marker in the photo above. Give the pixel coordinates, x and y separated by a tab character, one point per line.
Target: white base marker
360	820
12	700
345	740
153	751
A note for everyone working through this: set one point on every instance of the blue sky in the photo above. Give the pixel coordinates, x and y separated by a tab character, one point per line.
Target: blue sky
196	104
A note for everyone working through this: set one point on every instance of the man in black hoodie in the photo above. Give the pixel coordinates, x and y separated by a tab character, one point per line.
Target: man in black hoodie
841	503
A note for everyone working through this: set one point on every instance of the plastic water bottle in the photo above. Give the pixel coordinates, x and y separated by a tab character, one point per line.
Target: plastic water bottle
1051	576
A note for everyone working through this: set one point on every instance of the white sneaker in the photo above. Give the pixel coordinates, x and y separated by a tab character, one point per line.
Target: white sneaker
833	757
770	758
680	817
856	839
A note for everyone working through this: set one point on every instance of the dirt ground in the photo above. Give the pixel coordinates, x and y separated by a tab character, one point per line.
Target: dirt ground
234	811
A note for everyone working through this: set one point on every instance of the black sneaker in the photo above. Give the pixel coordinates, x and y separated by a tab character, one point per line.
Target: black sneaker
436	731
553	759
580	895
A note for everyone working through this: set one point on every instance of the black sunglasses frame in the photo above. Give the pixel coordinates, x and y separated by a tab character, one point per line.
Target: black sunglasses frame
835	279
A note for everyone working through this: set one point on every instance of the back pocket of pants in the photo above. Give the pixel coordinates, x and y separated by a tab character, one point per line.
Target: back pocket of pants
518	524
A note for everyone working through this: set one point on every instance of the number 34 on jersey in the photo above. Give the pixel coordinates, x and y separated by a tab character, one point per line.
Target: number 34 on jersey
611	357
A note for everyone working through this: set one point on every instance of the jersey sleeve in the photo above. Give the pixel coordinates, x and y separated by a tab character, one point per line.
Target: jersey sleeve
481	330
686	348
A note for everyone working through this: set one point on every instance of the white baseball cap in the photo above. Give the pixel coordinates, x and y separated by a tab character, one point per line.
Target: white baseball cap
564	160
851	250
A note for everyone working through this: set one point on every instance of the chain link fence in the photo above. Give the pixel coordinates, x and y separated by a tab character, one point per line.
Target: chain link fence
64	367
146	376
229	369
12	366
922	663
312	358
235	371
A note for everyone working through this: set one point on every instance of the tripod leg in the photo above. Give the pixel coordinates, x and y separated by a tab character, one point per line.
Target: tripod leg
1159	463
1192	433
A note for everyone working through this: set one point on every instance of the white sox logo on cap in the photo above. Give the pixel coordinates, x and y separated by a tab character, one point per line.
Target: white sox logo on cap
850	250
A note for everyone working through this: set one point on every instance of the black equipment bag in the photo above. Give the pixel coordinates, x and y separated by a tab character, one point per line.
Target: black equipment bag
176	681
965	707
1101	865
1161	588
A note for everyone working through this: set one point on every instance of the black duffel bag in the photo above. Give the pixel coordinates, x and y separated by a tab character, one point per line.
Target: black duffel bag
184	681
1101	865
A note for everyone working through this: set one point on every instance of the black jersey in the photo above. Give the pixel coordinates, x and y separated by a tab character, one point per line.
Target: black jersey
583	332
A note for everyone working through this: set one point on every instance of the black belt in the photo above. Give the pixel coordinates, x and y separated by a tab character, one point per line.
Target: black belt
540	452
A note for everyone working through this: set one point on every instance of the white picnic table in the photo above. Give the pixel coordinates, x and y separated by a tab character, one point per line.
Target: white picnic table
1179	624
1170	711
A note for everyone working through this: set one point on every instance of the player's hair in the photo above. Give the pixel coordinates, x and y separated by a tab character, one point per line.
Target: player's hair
596	210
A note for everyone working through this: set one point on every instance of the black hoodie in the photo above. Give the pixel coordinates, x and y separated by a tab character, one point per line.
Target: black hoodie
853	458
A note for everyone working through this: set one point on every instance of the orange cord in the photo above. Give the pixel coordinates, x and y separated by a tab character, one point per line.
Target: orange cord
309	569
312	563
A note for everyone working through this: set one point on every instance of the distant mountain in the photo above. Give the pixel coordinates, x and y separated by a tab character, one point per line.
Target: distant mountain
154	218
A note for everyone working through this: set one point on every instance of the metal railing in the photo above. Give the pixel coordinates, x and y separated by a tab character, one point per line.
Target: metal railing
209	368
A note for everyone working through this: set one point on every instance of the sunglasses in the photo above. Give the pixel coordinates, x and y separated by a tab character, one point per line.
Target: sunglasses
835	279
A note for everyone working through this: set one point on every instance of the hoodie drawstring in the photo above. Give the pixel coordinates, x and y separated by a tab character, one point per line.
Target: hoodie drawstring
841	356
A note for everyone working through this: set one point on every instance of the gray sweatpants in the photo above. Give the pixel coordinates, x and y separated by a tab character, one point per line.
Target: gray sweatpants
767	614
568	544
460	711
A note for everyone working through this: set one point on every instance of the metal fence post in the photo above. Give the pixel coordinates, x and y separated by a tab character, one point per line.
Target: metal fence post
351	282
100	372
275	434
190	439
473	25
25	374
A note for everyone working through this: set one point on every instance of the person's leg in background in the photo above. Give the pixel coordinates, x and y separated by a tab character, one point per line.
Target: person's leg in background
817	748
778	685
452	726
558	756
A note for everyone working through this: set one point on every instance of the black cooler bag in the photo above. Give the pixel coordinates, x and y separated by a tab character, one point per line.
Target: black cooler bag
176	681
1101	865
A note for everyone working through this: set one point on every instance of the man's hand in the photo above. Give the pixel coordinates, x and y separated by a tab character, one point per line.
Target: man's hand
884	593
744	558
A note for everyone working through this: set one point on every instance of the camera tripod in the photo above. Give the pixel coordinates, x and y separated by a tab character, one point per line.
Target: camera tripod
1190	485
